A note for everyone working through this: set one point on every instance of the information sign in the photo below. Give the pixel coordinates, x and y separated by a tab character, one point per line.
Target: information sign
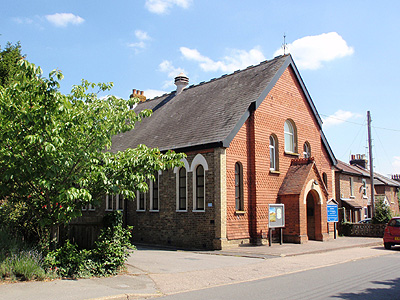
332	210
276	215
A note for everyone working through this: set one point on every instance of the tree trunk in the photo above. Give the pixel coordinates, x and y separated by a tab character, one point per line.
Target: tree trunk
53	236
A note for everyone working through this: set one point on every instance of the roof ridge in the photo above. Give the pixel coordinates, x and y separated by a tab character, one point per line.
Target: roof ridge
237	71
222	76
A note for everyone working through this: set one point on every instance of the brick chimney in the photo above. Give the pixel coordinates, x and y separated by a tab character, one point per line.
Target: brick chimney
181	81
396	177
360	160
138	94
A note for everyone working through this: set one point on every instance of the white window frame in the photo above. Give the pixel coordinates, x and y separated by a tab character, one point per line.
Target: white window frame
290	137
91	207
306	150
198	160
364	188
152	194
272	153
351	187
117	204
138	201
108	208
178	209
195	209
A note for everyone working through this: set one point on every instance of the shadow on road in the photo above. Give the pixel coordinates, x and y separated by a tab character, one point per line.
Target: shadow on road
389	289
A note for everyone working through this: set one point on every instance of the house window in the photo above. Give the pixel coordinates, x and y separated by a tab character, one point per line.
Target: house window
273	153
199	191
154	198
141	201
325	179
364	187
306	150
290	137
351	187
182	191
119	200
91	207
109	202
239	187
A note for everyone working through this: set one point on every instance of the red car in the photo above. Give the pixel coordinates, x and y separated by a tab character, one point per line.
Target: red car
392	233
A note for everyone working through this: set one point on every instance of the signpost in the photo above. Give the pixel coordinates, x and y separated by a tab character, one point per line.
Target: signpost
333	215
276	219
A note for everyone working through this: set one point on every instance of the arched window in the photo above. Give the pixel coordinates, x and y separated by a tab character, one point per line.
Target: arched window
290	137
200	190
154	196
306	150
182	194
141	201
239	187
325	179
273	153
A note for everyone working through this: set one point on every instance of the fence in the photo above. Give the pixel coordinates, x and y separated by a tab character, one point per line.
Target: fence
365	230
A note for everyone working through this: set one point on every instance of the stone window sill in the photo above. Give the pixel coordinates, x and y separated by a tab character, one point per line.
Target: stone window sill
292	153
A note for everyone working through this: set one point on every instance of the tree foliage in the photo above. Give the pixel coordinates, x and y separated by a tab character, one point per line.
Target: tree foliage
54	148
382	213
9	57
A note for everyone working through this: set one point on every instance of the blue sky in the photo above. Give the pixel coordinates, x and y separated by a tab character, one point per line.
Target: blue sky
345	51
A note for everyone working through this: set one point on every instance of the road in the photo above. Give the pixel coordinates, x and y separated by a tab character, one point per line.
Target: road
371	278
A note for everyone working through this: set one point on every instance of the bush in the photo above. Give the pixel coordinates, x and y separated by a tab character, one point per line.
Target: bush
108	256
25	265
382	213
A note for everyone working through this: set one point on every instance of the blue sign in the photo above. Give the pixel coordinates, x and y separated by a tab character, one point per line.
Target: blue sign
332	211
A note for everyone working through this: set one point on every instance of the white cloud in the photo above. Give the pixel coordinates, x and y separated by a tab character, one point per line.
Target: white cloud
339	117
63	19
163	6
396	164
311	51
167	67
238	59
150	94
23	20
142	36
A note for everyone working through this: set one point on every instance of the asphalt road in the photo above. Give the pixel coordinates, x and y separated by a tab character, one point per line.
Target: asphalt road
371	278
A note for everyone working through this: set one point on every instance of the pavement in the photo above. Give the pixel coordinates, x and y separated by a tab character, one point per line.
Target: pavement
156	271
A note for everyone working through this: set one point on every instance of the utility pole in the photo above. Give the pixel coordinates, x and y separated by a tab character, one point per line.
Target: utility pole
371	165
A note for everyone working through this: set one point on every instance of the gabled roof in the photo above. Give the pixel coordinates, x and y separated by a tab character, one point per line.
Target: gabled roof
296	177
356	170
210	114
349	169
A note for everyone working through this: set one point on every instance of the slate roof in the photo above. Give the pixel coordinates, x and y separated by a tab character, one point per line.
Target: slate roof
209	114
359	171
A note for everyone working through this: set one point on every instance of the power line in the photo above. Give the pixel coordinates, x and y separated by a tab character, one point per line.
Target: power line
375	127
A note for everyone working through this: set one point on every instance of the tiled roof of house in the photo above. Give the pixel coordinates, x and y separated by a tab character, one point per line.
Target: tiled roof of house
296	176
359	171
209	114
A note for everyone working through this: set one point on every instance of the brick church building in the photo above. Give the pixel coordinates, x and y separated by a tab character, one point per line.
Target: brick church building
252	138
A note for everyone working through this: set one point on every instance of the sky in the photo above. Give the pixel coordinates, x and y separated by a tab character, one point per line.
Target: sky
346	52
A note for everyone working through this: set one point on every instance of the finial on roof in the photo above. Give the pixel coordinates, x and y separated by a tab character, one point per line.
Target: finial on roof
284	45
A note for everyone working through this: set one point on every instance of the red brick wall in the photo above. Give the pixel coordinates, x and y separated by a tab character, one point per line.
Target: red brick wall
285	101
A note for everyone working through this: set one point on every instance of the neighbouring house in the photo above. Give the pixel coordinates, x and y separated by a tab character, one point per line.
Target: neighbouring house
252	138
353	189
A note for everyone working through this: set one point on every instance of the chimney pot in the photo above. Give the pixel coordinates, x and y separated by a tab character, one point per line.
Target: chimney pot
181	81
134	92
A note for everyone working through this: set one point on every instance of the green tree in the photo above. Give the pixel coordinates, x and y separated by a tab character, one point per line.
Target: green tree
9	58
382	213
54	148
